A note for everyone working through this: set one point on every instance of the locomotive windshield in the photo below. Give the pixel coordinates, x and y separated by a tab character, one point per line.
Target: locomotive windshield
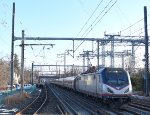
115	77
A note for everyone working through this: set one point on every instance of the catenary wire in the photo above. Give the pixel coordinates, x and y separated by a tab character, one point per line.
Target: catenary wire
96	23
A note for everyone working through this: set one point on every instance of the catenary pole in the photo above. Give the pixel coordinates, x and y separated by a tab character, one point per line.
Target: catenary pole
32	73
65	63
146	53
22	62
98	54
12	49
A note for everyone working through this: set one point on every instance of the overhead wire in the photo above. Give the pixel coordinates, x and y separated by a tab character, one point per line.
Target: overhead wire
89	18
36	55
141	30
96	22
133	24
96	18
4	23
102	16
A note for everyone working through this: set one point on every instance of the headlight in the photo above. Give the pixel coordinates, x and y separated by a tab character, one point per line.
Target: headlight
109	90
127	91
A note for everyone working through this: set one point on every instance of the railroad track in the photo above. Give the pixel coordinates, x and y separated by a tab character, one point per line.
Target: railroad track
36	105
99	106
67	109
89	106
137	108
78	105
53	105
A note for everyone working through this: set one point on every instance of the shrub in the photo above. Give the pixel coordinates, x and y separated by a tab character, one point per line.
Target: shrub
16	99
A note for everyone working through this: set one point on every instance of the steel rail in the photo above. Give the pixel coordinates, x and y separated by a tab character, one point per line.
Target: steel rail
138	106
68	96
135	110
60	109
79	104
92	105
20	112
23	110
68	108
41	105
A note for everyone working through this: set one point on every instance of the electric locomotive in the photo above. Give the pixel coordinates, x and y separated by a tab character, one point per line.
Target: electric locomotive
111	85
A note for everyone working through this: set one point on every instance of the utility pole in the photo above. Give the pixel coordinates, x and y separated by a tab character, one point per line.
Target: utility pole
88	55
83	62
146	53
12	49
22	62
121	54
133	57
111	37
112	51
98	54
83	55
73	49
32	73
64	56
103	54
65	63
122	61
56	69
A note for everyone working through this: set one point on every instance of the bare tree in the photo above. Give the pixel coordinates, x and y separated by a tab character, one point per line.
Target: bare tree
27	75
16	65
4	73
72	72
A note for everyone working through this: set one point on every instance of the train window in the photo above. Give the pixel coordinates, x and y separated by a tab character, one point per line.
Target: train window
115	77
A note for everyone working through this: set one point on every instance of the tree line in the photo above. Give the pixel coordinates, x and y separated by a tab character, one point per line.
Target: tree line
5	72
137	78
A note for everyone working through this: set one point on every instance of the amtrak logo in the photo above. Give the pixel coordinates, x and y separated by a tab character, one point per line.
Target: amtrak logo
117	87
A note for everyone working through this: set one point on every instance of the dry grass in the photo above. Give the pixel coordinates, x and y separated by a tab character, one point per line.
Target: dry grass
16	99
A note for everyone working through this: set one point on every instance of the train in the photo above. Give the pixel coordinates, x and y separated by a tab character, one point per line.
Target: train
40	83
111	85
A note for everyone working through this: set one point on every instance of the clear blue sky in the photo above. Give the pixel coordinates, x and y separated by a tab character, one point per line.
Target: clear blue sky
65	18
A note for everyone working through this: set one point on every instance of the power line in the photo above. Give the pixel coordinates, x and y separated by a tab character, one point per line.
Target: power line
96	18
89	18
102	17
96	22
133	24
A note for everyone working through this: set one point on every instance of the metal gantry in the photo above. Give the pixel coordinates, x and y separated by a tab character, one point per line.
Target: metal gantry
111	38
63	55
35	65
86	55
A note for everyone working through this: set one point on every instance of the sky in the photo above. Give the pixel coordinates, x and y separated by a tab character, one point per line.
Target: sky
69	18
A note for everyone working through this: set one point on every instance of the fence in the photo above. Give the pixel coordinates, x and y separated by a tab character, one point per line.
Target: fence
5	93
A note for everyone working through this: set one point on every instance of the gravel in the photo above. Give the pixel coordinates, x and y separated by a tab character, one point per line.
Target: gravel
52	104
